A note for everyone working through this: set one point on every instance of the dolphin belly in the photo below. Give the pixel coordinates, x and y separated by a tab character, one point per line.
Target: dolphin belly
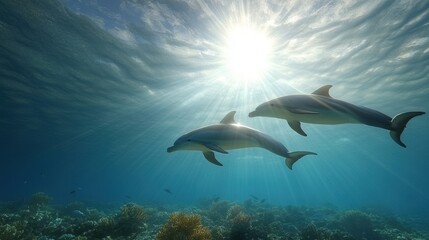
324	118
236	144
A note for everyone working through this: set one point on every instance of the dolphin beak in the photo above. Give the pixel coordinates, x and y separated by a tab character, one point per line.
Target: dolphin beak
171	149
252	114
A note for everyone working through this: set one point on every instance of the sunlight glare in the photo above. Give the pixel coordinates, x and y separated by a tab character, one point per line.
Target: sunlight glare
247	54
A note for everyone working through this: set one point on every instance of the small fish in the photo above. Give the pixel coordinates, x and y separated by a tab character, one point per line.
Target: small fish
167	190
74	191
254	197
262	201
78	213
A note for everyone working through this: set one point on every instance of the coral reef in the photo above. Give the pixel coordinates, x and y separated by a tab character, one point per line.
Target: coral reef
130	220
240	226
39	199
10	232
359	225
311	232
181	226
218	210
217	219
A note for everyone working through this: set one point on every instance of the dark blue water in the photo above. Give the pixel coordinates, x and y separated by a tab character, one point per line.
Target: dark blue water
92	94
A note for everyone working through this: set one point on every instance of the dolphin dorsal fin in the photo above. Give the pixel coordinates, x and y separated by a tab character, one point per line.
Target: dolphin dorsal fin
323	91
229	118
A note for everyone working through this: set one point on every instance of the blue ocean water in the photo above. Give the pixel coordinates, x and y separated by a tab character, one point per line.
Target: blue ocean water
92	94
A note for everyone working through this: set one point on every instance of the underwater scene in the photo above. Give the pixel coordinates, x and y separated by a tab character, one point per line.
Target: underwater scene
197	120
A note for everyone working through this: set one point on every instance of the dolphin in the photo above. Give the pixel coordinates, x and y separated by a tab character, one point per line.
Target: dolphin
228	135
320	108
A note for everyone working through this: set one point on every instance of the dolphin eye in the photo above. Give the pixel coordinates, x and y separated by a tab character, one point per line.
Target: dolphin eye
188	140
272	104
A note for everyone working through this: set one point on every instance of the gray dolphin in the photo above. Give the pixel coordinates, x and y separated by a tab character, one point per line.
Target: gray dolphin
229	135
320	108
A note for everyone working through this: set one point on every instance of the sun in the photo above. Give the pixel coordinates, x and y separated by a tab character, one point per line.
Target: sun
247	54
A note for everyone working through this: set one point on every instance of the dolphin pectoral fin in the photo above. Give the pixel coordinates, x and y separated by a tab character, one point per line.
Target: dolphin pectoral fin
211	158
229	118
323	91
399	123
296	126
293	157
214	147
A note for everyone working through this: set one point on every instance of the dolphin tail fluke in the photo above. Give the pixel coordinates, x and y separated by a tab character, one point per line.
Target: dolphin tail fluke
295	156
399	123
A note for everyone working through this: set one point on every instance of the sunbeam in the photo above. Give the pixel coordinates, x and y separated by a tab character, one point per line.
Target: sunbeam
247	54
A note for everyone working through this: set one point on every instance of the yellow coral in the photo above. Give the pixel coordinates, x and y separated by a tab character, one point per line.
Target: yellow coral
181	226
